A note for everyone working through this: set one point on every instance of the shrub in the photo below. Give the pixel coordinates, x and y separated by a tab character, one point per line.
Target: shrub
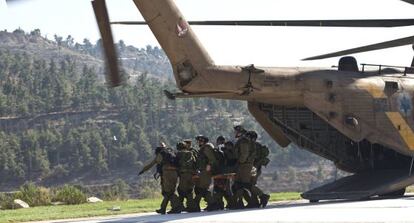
118	191
70	195
58	172
149	189
6	201
34	195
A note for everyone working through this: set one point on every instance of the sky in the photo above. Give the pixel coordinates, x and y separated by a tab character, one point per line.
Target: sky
262	46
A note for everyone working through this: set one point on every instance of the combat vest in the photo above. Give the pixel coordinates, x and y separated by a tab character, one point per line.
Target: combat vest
204	153
186	161
169	159
230	159
251	153
219	168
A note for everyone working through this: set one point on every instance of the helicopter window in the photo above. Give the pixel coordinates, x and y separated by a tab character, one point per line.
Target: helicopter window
348	64
351	121
391	86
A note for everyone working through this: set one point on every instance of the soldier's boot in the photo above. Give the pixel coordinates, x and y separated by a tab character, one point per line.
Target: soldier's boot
175	204
230	201
220	205
211	202
190	203
252	200
264	199
197	200
239	199
163	206
214	204
238	195
219	200
181	197
239	204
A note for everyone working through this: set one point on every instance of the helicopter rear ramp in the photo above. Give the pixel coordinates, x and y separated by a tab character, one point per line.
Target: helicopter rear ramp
363	186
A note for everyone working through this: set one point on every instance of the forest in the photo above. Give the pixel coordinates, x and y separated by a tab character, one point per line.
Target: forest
58	119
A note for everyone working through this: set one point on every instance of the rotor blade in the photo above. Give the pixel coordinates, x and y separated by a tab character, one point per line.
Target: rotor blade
409	1
12	1
102	18
322	23
377	46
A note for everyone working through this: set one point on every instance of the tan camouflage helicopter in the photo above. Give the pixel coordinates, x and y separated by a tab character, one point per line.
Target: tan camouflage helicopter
361	118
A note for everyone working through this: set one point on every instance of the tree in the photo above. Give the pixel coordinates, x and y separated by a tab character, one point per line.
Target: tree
70	42
143	146
58	40
36	33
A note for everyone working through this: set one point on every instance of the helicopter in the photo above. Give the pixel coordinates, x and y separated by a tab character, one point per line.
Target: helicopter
360	119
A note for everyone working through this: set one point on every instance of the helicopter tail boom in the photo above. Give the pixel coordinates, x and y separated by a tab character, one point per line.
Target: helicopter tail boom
187	56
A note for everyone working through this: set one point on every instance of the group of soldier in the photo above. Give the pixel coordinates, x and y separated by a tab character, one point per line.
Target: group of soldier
233	168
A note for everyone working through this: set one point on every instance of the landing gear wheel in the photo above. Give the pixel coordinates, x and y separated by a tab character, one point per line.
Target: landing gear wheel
398	193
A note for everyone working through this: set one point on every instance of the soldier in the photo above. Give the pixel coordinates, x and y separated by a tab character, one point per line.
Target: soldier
206	161
188	146
246	152
186	170
218	177
261	159
220	142
230	157
166	167
222	187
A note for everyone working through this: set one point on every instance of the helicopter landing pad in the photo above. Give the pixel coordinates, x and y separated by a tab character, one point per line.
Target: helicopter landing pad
376	210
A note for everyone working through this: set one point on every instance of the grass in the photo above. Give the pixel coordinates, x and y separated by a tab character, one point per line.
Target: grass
98	209
284	196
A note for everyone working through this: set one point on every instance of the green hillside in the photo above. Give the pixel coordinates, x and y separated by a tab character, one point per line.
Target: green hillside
60	123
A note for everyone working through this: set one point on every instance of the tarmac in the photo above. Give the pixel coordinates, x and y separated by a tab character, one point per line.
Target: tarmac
374	210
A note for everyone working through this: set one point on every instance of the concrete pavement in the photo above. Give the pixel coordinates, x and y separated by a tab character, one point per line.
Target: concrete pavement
377	210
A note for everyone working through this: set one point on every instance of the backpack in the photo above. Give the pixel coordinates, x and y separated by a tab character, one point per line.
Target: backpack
219	155
262	155
168	156
186	160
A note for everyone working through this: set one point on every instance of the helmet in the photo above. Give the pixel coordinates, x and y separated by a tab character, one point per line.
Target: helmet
253	134
180	146
202	138
221	138
239	128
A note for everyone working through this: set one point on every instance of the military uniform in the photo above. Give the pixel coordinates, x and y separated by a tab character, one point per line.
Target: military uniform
186	170
246	153
169	176
261	159
220	182
205	159
230	167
